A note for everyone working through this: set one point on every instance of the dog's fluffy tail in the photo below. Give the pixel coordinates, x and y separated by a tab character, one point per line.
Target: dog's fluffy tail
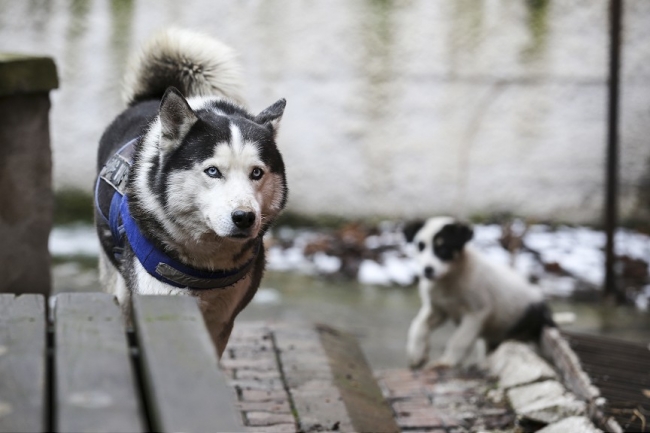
195	64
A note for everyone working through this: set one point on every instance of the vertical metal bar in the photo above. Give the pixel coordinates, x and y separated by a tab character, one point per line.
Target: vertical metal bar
611	205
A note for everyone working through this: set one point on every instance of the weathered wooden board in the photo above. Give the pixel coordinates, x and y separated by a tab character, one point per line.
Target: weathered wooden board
185	390
366	406
23	360
95	384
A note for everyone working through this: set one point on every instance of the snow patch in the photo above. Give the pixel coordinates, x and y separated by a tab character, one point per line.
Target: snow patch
74	240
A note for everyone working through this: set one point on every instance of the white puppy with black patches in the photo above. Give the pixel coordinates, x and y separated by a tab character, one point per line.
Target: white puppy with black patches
484	299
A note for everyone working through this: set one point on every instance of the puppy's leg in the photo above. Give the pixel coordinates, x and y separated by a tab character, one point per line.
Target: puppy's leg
427	319
480	349
462	340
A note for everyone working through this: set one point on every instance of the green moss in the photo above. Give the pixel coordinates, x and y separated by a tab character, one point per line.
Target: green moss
636	223
73	206
169	318
538	27
492	218
294	219
84	262
26	74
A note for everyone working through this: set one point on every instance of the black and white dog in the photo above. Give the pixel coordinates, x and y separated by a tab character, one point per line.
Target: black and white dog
486	300
189	181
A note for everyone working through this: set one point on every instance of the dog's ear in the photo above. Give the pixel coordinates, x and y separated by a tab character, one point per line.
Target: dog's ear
176	119
411	228
464	232
272	115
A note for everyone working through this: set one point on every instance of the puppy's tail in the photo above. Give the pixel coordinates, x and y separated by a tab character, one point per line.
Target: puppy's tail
195	64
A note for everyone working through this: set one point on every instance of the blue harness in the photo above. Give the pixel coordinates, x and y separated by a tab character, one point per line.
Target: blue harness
158	264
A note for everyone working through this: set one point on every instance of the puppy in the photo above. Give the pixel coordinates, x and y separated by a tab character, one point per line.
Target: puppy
484	299
189	181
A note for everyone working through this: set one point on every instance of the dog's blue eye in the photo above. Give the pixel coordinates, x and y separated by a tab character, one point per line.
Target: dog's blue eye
213	172
421	246
257	173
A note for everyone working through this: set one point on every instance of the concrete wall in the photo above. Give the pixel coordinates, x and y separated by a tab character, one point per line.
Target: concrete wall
398	108
26	203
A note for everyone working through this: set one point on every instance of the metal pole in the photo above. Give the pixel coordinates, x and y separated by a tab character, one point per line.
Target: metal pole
611	205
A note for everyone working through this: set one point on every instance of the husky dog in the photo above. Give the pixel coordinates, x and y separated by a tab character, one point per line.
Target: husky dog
486	300
189	181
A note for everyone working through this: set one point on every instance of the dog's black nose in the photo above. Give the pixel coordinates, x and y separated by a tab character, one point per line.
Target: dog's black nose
428	272
243	219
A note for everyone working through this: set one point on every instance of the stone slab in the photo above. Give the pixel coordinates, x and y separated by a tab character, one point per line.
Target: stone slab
573	424
545	402
516	364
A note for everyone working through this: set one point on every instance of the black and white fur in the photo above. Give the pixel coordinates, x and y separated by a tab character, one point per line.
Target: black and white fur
207	179
456	282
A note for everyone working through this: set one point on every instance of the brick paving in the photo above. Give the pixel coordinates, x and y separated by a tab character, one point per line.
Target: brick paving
450	401
283	383
250	362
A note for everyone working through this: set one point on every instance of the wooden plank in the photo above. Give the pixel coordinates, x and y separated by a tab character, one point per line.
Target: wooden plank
620	369
95	383
23	360
366	406
185	390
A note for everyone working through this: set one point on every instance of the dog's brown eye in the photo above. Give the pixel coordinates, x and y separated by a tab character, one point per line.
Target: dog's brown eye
421	246
257	173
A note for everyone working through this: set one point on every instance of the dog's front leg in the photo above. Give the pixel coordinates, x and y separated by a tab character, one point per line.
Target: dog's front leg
462	340
427	319
113	282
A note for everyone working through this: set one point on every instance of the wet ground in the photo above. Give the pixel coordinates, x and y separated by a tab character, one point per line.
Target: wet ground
378	316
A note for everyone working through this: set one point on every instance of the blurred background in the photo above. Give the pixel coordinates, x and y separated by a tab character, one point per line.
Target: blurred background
491	110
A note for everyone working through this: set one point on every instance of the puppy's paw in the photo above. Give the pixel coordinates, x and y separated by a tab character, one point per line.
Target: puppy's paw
416	364
439	365
417	355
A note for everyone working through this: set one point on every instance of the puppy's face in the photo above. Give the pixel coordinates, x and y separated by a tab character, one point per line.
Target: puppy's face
439	242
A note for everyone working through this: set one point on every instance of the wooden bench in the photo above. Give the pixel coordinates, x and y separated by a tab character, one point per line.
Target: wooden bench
85	373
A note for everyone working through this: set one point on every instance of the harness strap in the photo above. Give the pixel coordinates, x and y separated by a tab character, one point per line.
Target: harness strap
115	174
158	264
117	229
165	269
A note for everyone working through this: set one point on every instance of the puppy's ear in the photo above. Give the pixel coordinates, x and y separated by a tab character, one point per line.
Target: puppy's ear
176	119
465	232
272	115
411	228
